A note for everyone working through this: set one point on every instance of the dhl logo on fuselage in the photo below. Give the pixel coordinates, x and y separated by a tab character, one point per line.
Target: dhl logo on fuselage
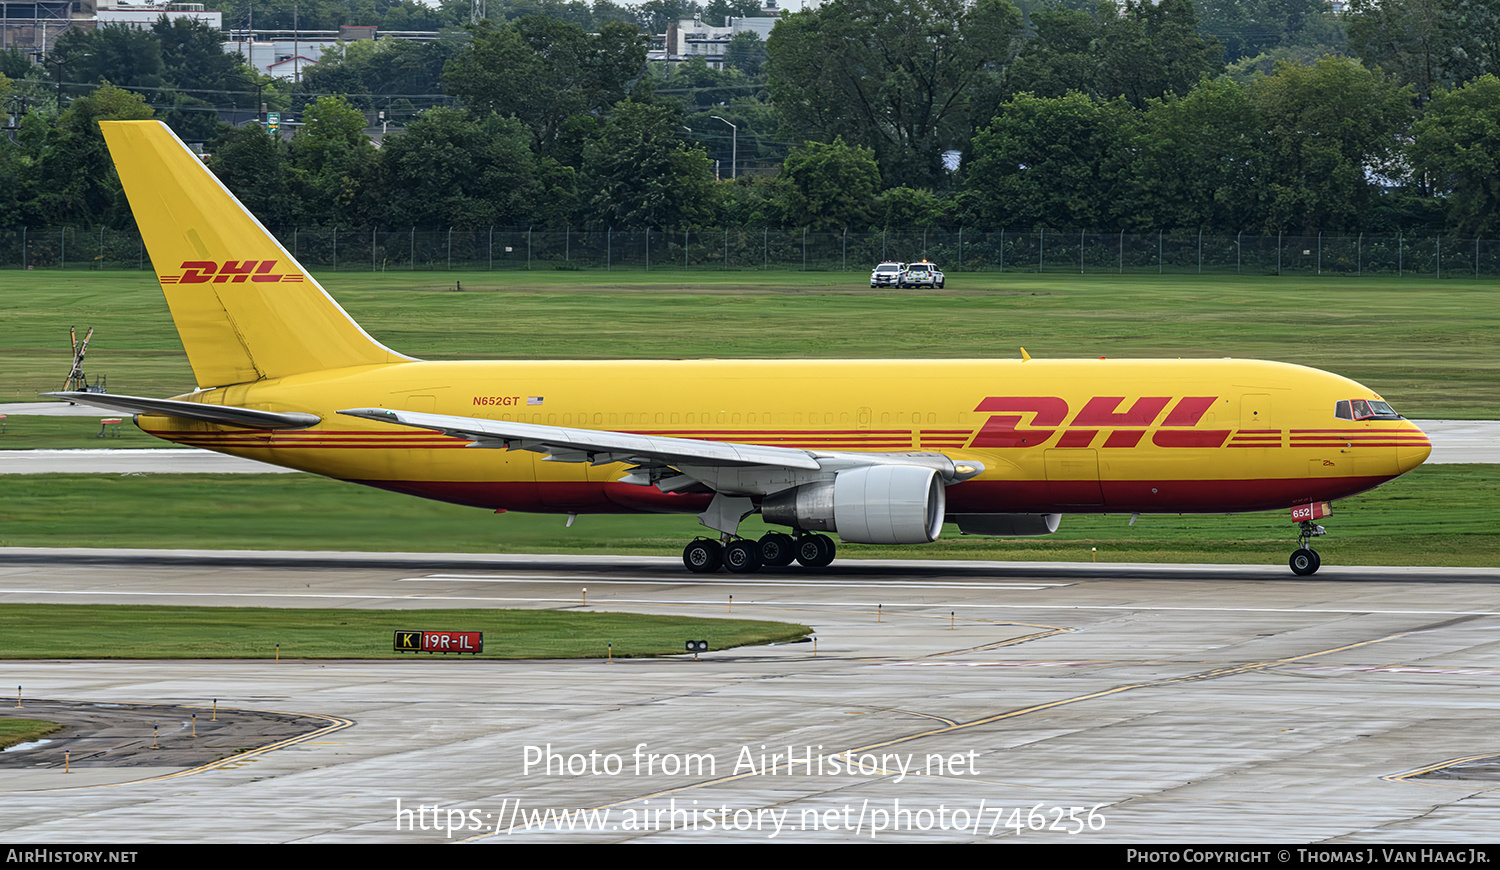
1126	427
235	271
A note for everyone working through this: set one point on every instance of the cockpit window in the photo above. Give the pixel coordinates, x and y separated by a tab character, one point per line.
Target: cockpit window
1364	409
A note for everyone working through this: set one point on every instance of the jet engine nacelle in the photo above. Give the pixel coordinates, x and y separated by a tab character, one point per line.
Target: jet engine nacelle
877	504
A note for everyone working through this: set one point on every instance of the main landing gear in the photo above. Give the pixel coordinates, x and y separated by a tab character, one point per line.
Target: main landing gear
744	556
1305	560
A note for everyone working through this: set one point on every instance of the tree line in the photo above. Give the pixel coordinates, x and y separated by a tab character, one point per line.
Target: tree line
1228	115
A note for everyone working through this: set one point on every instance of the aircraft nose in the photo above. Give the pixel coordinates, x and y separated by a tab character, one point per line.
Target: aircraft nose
1414	450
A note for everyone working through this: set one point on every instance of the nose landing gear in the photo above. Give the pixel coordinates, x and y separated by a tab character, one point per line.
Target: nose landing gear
1305	561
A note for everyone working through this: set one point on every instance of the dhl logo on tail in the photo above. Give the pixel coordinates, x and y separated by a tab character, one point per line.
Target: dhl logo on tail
235	271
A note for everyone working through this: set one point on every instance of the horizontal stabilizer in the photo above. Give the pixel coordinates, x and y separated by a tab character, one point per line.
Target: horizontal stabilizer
223	414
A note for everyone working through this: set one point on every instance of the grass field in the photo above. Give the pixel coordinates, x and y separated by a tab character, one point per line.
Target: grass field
46	631
1427	345
13	731
75	433
1437	515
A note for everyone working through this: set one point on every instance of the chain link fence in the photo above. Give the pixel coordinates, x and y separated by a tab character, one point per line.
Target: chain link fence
748	248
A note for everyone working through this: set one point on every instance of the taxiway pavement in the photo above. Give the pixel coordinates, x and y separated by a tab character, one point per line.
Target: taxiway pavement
945	701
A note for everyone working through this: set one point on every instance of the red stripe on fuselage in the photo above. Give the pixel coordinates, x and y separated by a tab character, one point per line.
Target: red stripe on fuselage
975	496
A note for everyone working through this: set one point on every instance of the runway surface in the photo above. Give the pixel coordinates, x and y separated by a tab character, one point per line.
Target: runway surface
944	702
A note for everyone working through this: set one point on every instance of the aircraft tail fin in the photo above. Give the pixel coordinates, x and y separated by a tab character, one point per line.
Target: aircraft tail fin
245	308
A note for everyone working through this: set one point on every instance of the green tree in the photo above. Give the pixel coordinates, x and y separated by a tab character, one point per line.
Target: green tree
1148	50
589	16
828	186
891	76
201	77
399	76
746	52
332	163
1195	162
15	63
331	14
76	181
697	86
655	15
1327	128
1059	57
545	71
1053	162
718	12
911	207
1427	43
1247	28
255	168
449	170
193	58
639	173
119	54
1456	144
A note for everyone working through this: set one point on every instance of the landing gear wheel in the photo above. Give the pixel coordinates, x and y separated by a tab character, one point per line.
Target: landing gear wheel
742	556
703	556
777	549
815	551
1305	562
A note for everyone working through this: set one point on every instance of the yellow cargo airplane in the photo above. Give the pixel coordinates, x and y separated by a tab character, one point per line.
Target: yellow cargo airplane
877	451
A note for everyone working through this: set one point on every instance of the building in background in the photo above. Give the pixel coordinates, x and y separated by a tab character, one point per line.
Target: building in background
35	25
689	37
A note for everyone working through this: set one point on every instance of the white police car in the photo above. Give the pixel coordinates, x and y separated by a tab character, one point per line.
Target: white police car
923	274
887	275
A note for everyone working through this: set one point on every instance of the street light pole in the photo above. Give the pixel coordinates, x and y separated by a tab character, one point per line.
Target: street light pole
734	151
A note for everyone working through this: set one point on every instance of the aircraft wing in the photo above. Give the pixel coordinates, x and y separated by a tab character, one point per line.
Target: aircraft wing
720	465
735	473
598	447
